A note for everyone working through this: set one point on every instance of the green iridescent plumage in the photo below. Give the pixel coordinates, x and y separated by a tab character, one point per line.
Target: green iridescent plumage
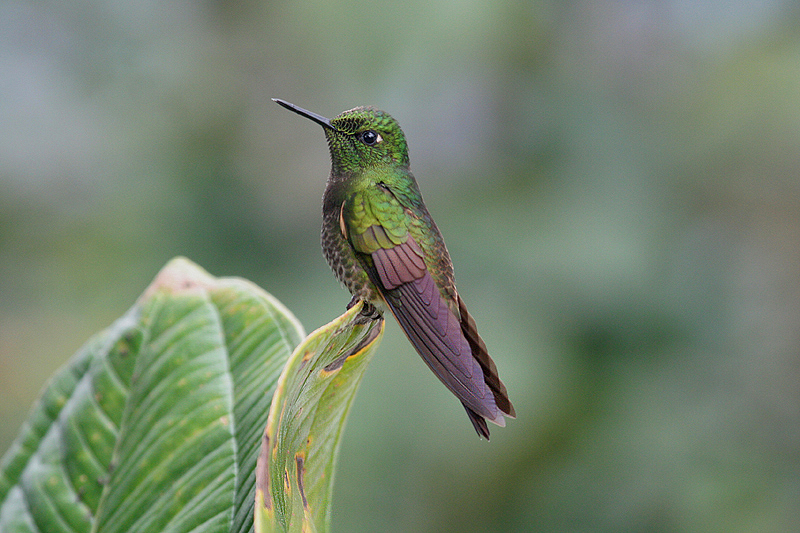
382	243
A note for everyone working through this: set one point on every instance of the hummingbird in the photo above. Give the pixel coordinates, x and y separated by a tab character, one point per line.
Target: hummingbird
383	245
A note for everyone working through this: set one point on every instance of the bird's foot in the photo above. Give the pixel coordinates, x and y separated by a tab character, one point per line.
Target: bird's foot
371	312
368	312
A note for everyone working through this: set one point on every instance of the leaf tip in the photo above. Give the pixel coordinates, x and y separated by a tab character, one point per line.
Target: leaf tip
179	275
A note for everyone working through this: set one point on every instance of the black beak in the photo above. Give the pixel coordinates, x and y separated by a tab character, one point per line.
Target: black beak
319	119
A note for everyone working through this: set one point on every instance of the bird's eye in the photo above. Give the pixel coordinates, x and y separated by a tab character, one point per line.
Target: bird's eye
371	137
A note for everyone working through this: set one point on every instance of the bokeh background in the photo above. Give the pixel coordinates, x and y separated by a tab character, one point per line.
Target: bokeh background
618	183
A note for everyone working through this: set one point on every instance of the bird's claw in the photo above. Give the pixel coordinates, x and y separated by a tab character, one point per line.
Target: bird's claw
371	312
368	312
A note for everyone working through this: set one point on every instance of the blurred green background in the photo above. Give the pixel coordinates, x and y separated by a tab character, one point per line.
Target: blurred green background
617	183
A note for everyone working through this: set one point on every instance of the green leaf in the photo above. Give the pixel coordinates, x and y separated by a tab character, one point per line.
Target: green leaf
154	424
300	445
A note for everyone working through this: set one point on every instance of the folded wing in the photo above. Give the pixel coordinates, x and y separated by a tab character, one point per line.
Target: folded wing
447	342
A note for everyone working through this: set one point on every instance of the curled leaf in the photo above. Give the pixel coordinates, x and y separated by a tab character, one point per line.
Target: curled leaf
295	469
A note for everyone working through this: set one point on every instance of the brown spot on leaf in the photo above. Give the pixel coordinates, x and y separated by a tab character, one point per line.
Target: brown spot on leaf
262	471
300	473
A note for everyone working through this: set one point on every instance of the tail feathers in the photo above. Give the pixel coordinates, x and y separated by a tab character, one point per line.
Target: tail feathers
478	422
490	375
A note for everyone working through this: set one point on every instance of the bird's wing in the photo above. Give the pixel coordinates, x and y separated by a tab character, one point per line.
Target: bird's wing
377	228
